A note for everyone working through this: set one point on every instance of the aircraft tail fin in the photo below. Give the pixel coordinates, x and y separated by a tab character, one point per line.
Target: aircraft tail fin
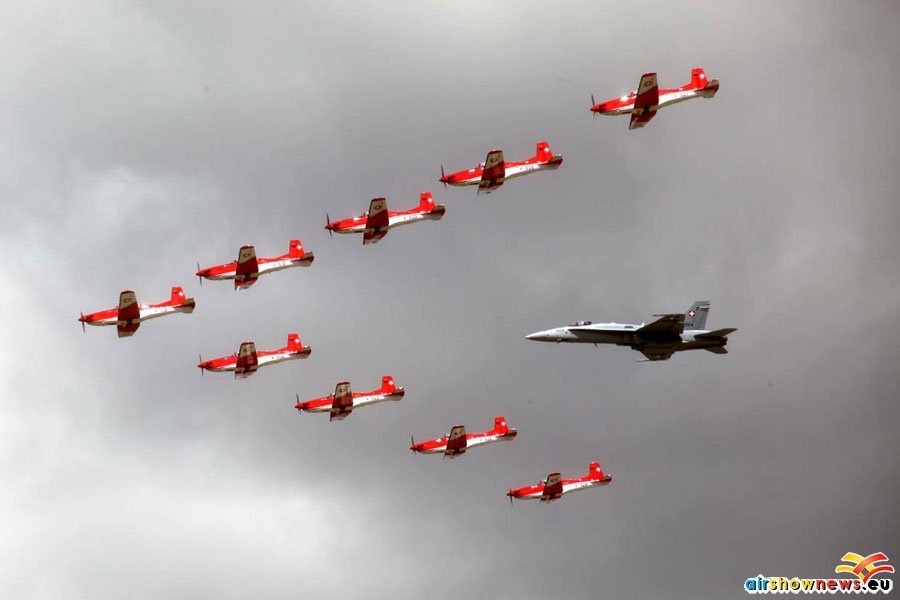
695	317
295	250
543	152
293	343
426	202
387	385
700	81
179	299
500	426
595	471
698	78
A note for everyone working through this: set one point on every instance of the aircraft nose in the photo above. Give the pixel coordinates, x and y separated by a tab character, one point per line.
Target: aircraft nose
538	336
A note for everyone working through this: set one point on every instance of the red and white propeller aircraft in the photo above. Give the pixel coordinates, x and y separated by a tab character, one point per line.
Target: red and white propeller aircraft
247	360
247	268
374	224
491	174
459	441
342	402
554	487
643	103
129	315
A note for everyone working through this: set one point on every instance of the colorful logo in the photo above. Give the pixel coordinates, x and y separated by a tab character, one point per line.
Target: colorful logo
863	567
864	563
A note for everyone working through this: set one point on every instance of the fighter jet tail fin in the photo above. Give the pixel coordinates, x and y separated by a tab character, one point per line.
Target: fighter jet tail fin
695	317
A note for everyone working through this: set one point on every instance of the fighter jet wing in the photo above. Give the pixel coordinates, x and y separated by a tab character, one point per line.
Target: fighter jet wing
665	324
654	353
342	402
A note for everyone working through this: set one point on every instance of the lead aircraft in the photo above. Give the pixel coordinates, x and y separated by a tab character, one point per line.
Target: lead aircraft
374	224
129	315
459	441
555	487
491	174
643	103
247	360
342	402
658	340
247	268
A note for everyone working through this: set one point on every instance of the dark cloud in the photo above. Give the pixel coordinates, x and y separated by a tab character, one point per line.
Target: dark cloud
141	139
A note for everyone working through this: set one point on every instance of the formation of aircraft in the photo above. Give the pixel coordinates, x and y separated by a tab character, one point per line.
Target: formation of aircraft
555	487
247	360
129	315
643	103
458	441
491	174
342	402
658	340
247	268
375	224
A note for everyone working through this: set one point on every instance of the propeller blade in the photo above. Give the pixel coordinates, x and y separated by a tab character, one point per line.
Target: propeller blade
298	401
593	102
510	501
327	223
412	442
200	277
83	330
442	176
200	356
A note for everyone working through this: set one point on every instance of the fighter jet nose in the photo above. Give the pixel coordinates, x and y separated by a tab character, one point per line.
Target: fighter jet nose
538	336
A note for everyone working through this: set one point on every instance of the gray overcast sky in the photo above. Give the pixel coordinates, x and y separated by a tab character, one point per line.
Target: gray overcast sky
140	138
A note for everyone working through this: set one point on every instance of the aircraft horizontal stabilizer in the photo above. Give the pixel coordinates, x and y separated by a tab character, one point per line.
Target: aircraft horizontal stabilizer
718	333
717	349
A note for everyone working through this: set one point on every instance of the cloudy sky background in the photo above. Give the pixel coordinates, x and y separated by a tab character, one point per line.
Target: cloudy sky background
141	138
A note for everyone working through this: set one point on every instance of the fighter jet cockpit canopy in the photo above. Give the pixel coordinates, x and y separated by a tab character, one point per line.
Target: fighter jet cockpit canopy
580	323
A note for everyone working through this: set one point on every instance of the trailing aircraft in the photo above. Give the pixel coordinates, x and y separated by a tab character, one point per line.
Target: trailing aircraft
657	341
491	174
342	402
375	224
129	315
247	360
247	268
555	487
458	441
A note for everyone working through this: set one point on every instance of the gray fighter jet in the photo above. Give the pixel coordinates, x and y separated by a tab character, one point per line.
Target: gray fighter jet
658	340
